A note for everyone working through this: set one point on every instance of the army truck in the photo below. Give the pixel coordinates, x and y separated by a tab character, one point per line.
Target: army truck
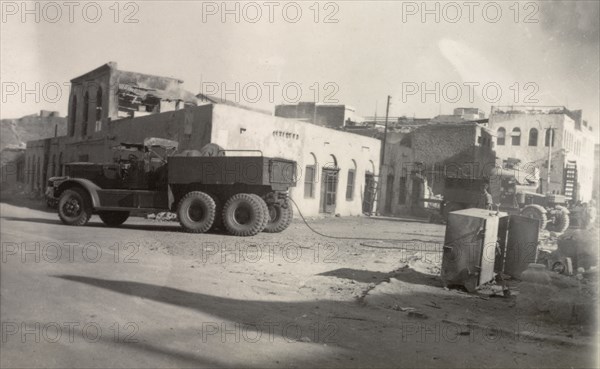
513	191
207	189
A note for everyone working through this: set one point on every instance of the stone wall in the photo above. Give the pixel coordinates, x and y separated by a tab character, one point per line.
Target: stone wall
307	144
427	155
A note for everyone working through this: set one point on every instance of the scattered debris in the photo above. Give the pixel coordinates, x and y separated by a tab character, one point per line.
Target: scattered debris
399	308
416	314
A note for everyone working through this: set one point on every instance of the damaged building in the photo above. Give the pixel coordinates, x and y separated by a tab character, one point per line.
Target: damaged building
108	106
107	94
416	163
536	135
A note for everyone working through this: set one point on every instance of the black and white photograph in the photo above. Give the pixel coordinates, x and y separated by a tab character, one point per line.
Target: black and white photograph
299	184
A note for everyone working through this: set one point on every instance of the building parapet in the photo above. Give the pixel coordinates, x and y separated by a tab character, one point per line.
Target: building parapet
530	109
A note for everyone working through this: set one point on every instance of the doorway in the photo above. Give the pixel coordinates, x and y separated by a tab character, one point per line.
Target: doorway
389	193
369	193
329	190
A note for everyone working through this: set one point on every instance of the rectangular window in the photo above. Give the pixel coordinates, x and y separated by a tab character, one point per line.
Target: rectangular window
350	185
309	182
516	137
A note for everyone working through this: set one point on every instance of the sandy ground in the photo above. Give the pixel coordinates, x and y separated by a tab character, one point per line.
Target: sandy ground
148	295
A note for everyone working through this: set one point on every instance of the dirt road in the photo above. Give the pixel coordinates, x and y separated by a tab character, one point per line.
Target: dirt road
148	295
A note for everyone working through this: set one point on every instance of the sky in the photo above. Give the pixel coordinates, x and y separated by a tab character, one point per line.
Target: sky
430	57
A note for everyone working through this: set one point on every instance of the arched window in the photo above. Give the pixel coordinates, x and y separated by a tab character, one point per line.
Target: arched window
547	140
533	137
86	110
310	174
330	184
72	117
98	109
333	163
516	136
350	183
501	136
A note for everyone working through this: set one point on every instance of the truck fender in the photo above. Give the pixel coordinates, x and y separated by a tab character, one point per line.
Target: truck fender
88	185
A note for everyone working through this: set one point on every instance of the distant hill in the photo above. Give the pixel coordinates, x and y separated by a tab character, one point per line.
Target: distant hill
14	133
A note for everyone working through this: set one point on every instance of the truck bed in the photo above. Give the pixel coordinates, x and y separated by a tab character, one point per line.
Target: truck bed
224	170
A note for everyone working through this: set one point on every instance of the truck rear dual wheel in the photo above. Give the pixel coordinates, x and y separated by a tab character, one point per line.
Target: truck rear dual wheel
196	212
74	207
113	218
244	214
265	210
218	222
279	217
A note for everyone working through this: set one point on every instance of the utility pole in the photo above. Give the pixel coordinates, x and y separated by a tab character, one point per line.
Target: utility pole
550	142
387	111
375	118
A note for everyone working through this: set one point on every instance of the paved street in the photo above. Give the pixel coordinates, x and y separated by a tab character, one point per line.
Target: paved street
148	295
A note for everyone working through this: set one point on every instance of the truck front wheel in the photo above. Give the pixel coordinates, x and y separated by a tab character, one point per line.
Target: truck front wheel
244	215
113	218
560	222
74	207
536	212
279	217
196	212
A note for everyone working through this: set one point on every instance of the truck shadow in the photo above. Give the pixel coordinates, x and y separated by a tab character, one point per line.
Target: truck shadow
335	342
33	220
21	202
252	313
162	227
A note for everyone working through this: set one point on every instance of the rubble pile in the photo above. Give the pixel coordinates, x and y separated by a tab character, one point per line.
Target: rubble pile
560	298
